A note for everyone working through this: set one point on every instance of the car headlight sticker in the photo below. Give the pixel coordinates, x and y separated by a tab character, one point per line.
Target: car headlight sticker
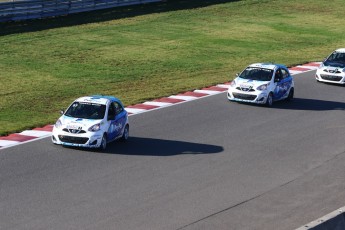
95	128
58	124
262	87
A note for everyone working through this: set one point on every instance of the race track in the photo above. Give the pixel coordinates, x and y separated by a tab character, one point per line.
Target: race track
204	164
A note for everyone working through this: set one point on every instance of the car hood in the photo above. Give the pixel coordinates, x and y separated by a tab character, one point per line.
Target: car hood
249	84
77	123
333	68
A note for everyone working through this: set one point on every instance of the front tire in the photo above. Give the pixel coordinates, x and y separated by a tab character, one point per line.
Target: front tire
103	145
269	100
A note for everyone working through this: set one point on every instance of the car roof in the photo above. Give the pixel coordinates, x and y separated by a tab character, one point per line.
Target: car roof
340	50
98	99
267	65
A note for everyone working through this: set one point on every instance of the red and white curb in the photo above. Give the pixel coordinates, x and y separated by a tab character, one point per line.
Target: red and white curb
39	133
304	68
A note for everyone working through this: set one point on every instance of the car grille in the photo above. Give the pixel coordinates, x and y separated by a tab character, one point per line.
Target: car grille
244	96
331	77
245	89
74	140
332	71
75	131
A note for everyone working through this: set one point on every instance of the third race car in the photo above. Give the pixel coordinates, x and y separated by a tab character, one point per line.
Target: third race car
332	69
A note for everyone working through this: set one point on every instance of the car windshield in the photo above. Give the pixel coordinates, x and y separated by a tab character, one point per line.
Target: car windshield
258	74
336	60
86	110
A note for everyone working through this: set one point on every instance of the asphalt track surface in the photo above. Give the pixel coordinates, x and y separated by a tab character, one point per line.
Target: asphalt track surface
204	164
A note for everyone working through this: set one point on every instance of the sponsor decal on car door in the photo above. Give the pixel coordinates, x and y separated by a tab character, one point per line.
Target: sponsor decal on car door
120	119
283	83
112	122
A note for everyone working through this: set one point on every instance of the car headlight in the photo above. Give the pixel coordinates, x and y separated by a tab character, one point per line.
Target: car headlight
262	87
233	84
95	128
58	124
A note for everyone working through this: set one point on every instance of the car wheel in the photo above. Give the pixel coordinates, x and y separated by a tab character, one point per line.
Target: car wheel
269	101
290	96
125	134
103	145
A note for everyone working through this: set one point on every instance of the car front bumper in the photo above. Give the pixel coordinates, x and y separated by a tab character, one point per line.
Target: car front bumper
330	78
241	96
88	139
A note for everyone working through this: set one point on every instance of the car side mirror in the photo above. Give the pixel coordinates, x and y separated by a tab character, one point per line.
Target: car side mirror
62	111
277	79
237	74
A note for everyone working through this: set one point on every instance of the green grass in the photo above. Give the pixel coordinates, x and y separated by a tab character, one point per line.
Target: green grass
155	50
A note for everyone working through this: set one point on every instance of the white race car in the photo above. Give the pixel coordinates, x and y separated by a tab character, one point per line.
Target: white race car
92	122
332	69
262	83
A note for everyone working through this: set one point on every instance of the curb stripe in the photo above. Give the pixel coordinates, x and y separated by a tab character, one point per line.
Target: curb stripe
298	68
193	94
158	104
184	98
169	100
42	132
143	106
35	133
48	128
209	92
215	88
135	111
315	64
17	137
226	86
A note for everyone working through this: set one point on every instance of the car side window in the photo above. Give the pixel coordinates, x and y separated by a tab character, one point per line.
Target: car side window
118	107
285	74
278	75
111	111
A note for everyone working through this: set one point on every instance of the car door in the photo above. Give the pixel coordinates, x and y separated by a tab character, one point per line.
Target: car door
279	85
283	83
111	119
286	82
120	119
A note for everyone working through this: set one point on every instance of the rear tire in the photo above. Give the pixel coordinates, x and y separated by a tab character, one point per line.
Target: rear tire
125	134
291	94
